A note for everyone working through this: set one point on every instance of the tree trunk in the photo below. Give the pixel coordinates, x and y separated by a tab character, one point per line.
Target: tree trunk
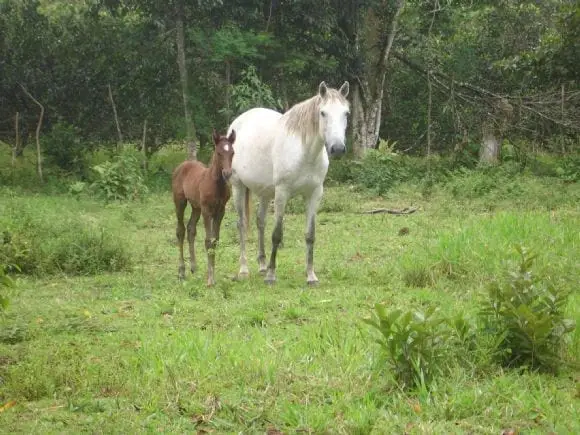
16	146
378	31
143	145
366	120
189	125
119	134
38	127
490	146
228	83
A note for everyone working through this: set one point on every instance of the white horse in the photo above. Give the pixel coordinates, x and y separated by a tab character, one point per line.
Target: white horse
280	156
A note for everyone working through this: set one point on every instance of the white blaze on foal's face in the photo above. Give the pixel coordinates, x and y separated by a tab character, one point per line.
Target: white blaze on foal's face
333	118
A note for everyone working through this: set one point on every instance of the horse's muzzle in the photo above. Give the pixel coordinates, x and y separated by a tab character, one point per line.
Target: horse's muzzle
337	149
226	174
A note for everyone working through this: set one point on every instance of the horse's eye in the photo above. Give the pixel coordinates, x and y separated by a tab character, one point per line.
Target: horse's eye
323	113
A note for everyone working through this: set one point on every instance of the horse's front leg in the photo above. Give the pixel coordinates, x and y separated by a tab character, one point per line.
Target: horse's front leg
280	200
210	243
239	194
311	209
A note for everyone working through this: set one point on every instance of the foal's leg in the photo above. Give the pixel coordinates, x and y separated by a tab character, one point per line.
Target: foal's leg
191	232
180	234
280	200
261	224
239	194
311	208
210	243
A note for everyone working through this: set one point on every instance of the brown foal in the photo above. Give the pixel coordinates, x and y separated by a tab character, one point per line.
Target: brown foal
208	191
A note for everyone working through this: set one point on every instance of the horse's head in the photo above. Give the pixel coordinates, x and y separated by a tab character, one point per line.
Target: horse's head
224	151
333	117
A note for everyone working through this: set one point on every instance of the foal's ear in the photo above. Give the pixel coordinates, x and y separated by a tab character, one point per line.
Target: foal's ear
322	89
215	136
344	89
232	137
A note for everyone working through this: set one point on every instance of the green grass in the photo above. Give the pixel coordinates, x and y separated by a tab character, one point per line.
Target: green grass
137	351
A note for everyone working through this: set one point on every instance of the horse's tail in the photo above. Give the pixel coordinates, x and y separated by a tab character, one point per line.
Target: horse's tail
247	210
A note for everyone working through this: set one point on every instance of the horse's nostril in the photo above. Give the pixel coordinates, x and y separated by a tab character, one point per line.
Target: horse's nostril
337	150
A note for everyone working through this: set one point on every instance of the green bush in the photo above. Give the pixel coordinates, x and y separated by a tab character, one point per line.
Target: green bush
569	169
121	178
525	316
418	344
5	282
63	149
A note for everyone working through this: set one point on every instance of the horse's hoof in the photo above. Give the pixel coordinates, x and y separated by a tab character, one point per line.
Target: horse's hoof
270	281
263	271
313	283
243	275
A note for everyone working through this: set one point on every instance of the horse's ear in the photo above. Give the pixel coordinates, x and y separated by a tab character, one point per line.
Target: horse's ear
232	137
322	89
215	136
344	89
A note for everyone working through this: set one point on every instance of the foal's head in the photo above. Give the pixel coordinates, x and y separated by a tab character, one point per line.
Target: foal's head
334	110
224	152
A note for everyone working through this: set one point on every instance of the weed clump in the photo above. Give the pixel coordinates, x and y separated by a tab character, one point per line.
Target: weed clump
418	344
35	246
525	316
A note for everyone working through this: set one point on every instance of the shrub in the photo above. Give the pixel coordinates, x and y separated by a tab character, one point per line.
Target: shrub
417	344
525	317
63	149
120	179
569	169
5	282
380	170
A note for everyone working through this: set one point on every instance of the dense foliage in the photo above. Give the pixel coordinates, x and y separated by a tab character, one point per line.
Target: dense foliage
507	65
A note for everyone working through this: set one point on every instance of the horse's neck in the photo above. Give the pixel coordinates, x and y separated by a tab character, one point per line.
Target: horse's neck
312	148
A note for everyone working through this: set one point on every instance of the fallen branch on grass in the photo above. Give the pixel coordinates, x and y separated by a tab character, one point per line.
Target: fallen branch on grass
406	210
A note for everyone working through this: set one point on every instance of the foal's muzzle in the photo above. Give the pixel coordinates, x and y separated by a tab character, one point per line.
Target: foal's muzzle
226	174
337	149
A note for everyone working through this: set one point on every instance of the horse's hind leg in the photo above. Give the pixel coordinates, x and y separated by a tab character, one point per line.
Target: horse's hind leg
180	234
210	244
191	232
261	224
239	196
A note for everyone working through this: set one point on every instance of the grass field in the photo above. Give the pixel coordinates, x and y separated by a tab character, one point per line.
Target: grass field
137	351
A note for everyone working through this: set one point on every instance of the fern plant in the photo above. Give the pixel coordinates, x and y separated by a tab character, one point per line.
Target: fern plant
525	315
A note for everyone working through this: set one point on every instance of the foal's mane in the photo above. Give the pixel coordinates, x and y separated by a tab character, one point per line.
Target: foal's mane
302	118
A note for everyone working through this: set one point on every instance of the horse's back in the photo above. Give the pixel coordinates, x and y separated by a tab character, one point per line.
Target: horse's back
255	135
185	176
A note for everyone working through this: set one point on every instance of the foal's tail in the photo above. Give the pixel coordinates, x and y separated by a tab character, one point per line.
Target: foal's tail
247	211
